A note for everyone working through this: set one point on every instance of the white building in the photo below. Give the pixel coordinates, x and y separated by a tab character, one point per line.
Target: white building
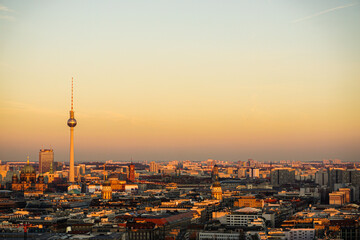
322	177
300	234
74	187
219	236
93	188
243	216
131	188
254	173
220	216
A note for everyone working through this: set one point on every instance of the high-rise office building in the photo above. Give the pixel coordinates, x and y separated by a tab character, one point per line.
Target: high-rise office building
322	177
46	159
242	173
77	172
339	177
351	176
254	173
154	167
281	176
82	169
335	176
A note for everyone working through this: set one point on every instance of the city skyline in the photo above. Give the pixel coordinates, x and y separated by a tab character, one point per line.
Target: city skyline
263	80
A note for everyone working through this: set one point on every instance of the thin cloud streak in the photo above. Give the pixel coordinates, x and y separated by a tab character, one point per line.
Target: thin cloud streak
9	106
323	12
5	9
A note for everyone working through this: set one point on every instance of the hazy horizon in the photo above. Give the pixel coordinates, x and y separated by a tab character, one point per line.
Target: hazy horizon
167	161
269	80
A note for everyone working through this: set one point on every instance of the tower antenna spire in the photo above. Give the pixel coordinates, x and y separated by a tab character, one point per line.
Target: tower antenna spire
72	92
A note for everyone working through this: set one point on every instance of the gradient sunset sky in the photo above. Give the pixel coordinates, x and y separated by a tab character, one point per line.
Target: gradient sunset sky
174	80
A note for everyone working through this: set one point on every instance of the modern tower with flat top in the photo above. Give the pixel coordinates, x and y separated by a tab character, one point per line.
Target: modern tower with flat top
72	123
46	158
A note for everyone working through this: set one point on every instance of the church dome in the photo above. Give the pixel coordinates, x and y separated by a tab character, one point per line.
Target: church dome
216	184
28	169
113	176
106	183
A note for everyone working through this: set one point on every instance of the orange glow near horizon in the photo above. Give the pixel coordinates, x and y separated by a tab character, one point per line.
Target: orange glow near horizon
263	81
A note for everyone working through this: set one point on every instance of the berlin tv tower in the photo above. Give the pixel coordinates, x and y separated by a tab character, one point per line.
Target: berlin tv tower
72	123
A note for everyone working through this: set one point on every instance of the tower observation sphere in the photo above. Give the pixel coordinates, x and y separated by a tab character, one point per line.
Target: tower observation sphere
71	122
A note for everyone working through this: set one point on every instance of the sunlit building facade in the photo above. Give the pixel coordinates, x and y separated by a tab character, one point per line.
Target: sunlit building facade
46	158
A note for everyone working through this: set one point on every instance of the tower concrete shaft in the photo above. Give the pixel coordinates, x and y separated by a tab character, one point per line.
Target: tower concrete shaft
72	167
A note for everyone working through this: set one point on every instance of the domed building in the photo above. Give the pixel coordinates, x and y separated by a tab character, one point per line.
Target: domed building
115	183
113	177
28	179
216	190
106	191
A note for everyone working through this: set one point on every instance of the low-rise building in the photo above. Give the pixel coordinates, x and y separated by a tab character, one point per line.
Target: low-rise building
300	234
249	201
209	235
242	217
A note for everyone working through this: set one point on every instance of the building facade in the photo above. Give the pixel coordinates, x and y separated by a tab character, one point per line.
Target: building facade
28	180
46	158
249	201
131	177
281	176
322	177
154	167
106	191
219	235
301	234
243	216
